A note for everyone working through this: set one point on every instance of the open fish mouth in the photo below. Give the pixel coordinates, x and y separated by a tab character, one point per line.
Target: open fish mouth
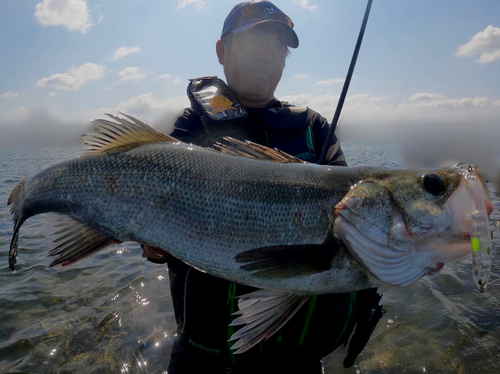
404	256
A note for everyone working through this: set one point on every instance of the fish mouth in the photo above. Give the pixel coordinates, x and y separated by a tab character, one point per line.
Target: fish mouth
404	258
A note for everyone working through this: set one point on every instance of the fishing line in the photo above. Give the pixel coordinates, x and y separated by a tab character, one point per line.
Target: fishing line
414	58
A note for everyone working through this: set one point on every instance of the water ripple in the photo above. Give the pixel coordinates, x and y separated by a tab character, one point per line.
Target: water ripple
114	312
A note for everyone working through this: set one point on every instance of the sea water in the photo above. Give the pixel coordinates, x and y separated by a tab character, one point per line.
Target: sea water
112	313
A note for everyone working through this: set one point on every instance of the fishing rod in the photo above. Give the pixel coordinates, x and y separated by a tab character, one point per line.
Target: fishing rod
328	141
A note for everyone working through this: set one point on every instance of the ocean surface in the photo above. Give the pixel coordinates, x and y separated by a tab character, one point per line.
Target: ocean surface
112	313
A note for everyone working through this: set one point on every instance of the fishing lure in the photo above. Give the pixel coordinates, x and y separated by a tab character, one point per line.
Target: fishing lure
481	233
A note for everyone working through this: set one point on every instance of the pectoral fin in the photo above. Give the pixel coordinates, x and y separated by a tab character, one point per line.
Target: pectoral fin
75	241
288	261
263	313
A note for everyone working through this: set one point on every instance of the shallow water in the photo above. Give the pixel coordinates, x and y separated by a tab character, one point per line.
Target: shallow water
112	313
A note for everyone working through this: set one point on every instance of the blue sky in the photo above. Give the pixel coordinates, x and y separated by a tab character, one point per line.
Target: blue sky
410	48
73	59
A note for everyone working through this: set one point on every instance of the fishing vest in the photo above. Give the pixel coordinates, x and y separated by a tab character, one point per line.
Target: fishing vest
280	125
204	304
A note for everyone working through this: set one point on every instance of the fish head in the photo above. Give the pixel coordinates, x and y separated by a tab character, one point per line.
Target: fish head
404	224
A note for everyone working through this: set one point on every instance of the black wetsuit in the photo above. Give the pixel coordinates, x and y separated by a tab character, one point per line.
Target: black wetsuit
203	304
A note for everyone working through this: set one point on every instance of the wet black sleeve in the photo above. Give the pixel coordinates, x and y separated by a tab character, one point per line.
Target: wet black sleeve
188	128
335	155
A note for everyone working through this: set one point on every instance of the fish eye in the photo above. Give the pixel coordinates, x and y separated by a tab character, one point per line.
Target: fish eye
434	184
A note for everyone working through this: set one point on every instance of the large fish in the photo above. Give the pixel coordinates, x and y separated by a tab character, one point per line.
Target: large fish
290	228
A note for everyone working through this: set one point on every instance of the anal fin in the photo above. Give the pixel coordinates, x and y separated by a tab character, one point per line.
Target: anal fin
75	241
263	313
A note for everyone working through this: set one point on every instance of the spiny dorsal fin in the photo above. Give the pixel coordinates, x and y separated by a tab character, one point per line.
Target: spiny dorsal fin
108	135
253	150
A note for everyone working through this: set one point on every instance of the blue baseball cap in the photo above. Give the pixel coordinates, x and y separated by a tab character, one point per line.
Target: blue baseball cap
247	14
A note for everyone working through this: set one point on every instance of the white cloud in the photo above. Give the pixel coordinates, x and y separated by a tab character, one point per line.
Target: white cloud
197	3
146	101
326	104
426	100
9	94
365	103
431	137
53	94
124	51
146	107
486	58
433	132
425	96
168	76
133	73
305	4
74	78
486	43
72	14
301	76
324	82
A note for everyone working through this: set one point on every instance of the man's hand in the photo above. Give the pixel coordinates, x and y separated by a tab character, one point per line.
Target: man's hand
155	254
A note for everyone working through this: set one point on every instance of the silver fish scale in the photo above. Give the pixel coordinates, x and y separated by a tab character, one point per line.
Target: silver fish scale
202	206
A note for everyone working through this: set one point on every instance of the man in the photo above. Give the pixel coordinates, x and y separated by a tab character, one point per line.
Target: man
253	49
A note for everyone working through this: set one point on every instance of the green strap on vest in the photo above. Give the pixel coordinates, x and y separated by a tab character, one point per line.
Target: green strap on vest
231	303
310	311
231	293
351	306
310	139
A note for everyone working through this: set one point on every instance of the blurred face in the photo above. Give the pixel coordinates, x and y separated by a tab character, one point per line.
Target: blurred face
253	63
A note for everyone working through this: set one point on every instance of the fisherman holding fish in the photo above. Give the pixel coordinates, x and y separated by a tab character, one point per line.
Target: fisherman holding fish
314	240
252	49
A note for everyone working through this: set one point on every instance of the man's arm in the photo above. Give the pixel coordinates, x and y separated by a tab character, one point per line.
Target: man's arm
335	155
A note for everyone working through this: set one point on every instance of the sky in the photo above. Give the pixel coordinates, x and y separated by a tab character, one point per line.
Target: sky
427	77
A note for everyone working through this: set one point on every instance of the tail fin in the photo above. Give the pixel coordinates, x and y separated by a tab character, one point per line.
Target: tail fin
16	210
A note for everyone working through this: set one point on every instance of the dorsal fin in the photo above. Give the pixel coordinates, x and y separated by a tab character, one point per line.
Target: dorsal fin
253	150
129	131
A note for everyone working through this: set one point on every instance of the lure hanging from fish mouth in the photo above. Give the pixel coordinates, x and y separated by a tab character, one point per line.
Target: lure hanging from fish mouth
481	232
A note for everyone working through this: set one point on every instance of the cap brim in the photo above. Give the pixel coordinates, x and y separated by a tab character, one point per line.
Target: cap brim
291	37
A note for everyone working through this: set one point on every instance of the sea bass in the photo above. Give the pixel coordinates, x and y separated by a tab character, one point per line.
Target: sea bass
251	215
